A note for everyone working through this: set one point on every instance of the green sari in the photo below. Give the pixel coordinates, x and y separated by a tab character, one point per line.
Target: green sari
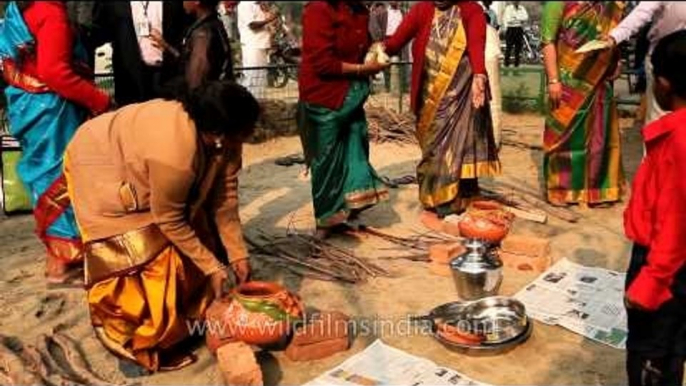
336	148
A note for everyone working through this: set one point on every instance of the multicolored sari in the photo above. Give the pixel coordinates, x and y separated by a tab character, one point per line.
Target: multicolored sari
582	146
44	123
456	139
336	147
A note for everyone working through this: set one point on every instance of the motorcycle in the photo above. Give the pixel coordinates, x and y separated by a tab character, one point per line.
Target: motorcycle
531	47
284	58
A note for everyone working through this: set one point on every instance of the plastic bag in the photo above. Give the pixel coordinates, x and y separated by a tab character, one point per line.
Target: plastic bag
15	196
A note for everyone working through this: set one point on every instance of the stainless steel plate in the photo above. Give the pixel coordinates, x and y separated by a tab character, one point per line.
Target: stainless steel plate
492	348
499	319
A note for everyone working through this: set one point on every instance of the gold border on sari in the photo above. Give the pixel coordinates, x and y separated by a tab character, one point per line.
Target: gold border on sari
122	254
450	192
439	87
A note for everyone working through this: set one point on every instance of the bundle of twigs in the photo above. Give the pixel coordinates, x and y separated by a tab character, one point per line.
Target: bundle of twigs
317	259
419	244
517	196
55	360
386	125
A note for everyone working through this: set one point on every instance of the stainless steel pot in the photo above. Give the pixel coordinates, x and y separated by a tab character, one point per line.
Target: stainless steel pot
477	273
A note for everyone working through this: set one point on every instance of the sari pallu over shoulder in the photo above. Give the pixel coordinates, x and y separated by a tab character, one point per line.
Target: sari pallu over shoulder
44	123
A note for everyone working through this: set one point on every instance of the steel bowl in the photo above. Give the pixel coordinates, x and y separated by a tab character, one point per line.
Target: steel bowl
498	319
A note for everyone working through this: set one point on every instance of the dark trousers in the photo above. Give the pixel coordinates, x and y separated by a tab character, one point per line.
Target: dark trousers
514	40
656	348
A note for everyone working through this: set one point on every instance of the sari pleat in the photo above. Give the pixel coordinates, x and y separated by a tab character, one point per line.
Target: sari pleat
336	147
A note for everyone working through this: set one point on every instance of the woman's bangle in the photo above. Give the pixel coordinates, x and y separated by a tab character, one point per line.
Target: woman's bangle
553	81
482	76
357	69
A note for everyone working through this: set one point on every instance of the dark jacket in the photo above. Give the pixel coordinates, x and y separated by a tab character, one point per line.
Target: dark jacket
113	22
206	53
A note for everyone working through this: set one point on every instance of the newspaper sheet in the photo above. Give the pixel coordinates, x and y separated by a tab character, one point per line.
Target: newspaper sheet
585	300
380	364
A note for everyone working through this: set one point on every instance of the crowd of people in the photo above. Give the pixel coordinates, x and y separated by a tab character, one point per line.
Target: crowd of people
158	226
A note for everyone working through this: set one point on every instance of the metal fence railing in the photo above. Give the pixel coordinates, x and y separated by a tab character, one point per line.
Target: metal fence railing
523	88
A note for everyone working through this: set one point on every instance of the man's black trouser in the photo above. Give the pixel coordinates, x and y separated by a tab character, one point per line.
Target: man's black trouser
656	348
514	40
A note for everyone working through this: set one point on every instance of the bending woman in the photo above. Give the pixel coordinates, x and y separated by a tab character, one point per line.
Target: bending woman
582	146
154	218
450	99
48	99
334	85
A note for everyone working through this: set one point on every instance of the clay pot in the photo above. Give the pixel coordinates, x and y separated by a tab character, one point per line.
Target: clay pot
262	313
486	228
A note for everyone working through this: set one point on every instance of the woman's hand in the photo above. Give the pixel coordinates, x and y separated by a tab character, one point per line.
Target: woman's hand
241	269
217	281
479	91
631	305
555	94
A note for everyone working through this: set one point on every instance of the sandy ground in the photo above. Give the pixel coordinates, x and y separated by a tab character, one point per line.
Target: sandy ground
274	196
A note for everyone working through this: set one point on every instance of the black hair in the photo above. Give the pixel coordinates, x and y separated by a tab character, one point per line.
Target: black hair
668	60
218	107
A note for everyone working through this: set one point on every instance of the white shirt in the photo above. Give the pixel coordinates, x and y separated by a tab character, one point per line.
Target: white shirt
395	17
249	12
667	17
515	17
147	15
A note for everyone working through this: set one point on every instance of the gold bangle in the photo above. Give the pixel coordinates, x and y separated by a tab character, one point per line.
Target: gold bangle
357	69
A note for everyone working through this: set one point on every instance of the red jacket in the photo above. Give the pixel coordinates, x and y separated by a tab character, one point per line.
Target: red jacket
332	35
656	215
47	21
417	25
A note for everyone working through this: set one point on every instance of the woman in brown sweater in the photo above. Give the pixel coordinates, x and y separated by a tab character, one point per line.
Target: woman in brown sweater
155	192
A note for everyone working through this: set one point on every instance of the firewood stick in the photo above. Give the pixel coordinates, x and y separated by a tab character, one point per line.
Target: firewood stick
302	263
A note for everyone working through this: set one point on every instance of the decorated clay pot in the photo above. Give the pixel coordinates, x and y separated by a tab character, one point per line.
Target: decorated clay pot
490	229
261	313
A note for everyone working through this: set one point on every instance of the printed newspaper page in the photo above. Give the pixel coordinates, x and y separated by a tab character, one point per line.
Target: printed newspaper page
383	365
585	300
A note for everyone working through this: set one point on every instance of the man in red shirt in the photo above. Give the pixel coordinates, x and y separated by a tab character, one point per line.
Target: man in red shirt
656	221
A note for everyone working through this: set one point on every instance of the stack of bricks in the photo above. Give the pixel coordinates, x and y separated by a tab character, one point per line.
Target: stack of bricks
522	253
525	253
325	334
441	255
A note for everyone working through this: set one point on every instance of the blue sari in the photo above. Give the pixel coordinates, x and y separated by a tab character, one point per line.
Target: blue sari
44	123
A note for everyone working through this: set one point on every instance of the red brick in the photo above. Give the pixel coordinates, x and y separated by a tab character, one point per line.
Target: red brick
317	351
527	246
444	253
216	336
451	228
322	327
526	263
431	221
440	269
238	365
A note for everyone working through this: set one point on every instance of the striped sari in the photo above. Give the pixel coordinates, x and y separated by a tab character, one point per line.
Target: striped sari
44	123
456	139
582	145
